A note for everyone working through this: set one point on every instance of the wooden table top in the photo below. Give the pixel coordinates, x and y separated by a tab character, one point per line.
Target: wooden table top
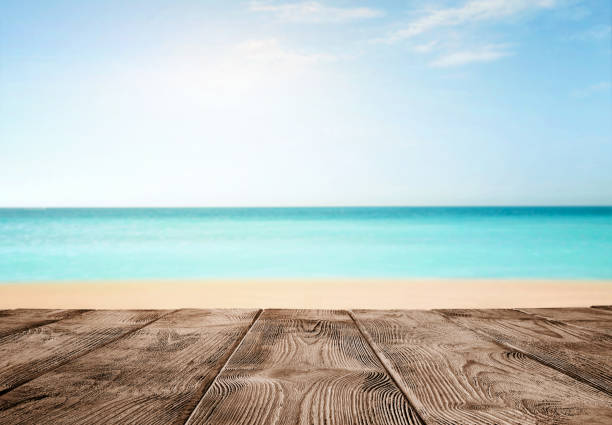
509	366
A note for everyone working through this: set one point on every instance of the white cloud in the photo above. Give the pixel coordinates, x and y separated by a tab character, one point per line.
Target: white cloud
426	47
315	12
257	63
487	53
471	12
601	87
599	32
269	52
224	78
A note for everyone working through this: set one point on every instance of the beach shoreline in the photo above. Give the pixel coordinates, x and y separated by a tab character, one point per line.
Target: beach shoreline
333	293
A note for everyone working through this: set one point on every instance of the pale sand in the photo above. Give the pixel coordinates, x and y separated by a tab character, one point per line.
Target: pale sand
309	293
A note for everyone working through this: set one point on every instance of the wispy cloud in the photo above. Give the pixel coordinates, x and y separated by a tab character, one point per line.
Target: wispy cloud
487	53
471	12
226	78
601	87
259	62
270	52
425	47
314	12
599	32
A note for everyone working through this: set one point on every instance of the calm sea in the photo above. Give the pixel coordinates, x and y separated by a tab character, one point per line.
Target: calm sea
69	244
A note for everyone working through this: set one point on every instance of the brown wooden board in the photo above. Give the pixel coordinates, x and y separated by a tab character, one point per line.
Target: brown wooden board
454	376
155	375
28	354
14	321
579	353
603	307
303	367
598	320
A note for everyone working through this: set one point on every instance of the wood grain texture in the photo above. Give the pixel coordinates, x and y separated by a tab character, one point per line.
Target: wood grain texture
303	367
579	353
603	307
28	354
155	375
14	321
307	367
599	320
454	376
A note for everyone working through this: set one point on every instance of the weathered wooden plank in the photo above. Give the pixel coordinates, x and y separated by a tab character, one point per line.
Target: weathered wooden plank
303	367
28	354
14	321
155	375
580	353
598	320
603	307
454	376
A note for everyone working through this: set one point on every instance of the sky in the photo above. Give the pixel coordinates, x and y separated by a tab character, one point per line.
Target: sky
291	103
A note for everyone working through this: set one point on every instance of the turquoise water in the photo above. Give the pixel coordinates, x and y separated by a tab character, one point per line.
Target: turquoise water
69	244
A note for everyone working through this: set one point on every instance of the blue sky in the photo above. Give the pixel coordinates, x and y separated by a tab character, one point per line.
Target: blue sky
207	103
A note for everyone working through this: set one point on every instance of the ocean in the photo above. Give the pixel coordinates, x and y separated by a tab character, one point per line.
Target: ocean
140	243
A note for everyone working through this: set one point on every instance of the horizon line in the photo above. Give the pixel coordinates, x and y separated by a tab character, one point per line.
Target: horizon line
315	206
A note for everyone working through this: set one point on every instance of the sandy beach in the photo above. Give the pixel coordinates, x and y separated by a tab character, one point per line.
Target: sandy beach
308	293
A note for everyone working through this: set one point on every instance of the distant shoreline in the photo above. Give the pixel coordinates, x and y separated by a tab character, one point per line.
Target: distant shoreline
336	293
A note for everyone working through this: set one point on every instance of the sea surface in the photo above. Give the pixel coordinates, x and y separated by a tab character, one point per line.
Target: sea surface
91	244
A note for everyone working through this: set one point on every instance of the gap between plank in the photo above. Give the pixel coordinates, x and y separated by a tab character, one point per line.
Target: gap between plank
528	354
385	364
131	331
237	345
70	315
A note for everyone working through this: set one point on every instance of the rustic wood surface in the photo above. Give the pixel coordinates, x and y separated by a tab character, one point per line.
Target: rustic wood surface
304	367
14	321
583	354
536	366
603	307
599	320
465	378
25	355
155	375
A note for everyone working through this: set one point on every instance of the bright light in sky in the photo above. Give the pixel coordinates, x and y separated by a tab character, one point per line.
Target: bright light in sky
190	103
